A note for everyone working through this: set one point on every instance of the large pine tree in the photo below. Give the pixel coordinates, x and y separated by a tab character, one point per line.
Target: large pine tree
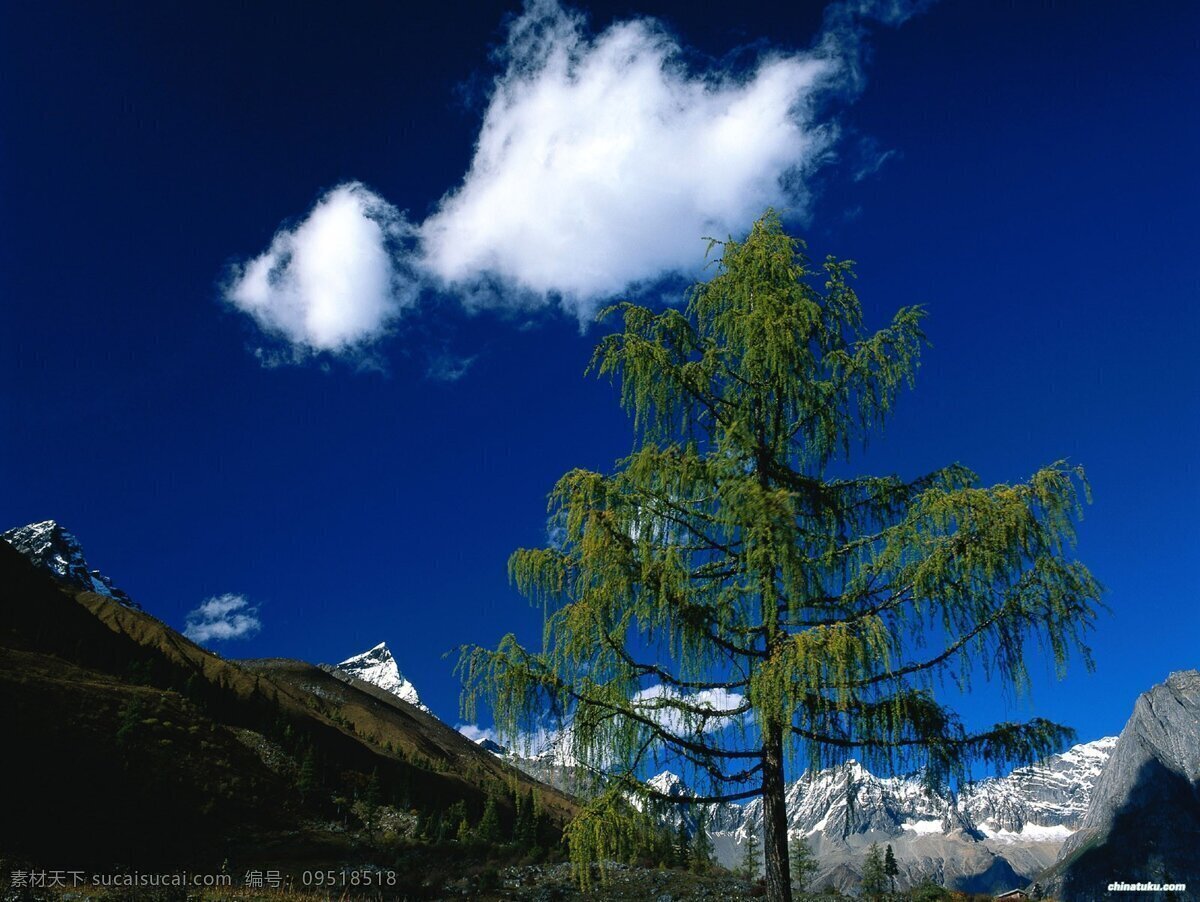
727	600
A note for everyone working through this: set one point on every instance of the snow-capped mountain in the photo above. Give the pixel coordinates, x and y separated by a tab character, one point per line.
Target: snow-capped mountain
1048	800
490	745
669	784
995	833
53	549
379	668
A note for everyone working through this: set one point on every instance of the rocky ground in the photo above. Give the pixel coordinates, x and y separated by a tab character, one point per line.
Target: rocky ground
543	883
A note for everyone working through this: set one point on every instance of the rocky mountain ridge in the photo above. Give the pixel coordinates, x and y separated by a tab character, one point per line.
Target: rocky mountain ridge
130	747
997	833
1143	825
51	547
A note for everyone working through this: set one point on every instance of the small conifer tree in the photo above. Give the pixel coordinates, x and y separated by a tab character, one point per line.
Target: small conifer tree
372	793
803	861
308	777
683	845
488	830
525	825
131	717
702	846
874	875
750	856
890	868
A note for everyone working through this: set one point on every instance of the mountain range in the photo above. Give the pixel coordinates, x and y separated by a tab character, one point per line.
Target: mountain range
994	835
227	742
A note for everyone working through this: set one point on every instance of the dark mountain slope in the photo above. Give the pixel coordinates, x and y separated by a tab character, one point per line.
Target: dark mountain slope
387	722
132	745
101	773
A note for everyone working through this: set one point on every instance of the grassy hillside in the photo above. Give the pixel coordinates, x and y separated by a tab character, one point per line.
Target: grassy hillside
130	746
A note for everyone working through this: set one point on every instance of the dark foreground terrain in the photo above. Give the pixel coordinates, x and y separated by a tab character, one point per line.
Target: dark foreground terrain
129	749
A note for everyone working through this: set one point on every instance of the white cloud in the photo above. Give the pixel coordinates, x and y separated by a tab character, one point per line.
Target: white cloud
872	166
475	733
550	744
602	162
655	703
221	618
335	281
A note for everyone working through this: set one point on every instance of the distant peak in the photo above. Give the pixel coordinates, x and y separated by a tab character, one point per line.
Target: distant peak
45	531
490	745
378	667
668	783
52	548
379	654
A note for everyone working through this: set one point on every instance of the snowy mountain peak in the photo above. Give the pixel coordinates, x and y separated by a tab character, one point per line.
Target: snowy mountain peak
52	548
1054	794
490	745
669	784
1092	754
377	667
847	804
1016	822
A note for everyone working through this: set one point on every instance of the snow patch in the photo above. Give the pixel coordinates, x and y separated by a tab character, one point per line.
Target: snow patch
922	828
1029	833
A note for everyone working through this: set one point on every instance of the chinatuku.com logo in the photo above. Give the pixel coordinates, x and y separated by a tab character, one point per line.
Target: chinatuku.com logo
1121	887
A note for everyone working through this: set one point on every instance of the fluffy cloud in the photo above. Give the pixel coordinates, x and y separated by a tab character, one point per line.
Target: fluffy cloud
221	618
477	733
552	744
602	162
656	703
335	281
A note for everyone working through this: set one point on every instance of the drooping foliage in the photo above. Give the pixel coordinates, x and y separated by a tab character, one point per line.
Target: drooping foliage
725	590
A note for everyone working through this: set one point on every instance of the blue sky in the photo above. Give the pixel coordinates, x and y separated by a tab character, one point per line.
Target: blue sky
356	447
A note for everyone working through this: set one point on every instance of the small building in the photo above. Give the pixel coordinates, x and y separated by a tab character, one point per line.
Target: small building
1013	895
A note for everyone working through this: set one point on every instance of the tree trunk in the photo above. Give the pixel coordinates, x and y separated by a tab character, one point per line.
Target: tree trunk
775	839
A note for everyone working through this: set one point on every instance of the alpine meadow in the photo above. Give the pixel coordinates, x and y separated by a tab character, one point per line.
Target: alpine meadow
726	601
